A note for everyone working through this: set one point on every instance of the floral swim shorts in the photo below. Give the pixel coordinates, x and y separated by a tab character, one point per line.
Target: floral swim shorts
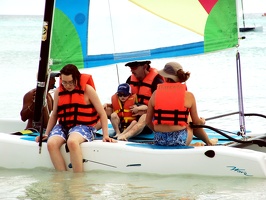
87	132
176	138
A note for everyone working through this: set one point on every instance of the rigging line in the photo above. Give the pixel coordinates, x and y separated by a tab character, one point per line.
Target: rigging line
117	73
225	131
259	142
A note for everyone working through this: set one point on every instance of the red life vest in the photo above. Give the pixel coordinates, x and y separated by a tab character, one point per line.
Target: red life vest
72	109
123	110
169	104
143	88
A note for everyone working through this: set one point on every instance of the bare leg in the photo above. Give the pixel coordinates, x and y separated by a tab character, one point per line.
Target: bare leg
73	143
53	145
135	130
133	123
201	134
189	135
115	120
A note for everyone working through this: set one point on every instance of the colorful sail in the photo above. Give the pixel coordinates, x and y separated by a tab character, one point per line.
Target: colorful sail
91	33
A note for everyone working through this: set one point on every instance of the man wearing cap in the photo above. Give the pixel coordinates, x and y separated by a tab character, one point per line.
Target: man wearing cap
27	112
143	82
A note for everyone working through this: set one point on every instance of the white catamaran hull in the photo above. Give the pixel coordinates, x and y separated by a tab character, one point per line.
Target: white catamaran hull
20	152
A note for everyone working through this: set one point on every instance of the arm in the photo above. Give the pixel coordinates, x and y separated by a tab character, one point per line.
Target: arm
150	112
138	110
27	110
94	99
198	132
47	109
53	118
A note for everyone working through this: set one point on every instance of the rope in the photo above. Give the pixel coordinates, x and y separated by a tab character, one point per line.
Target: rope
117	73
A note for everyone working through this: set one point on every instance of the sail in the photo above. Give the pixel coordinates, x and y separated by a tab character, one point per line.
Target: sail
91	33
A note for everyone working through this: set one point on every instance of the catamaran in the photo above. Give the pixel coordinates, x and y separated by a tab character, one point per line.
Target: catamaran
70	31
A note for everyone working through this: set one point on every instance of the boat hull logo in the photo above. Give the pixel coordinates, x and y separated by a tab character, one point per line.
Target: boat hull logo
238	170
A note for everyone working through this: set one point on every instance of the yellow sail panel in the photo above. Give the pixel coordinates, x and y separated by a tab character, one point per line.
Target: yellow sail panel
186	13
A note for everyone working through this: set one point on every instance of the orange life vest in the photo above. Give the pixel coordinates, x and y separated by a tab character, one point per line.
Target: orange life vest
72	109
169	104
123	110
143	88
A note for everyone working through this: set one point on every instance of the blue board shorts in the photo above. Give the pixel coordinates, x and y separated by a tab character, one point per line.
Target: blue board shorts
176	138
87	132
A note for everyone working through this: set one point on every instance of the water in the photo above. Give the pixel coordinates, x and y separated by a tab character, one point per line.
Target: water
213	81
44	184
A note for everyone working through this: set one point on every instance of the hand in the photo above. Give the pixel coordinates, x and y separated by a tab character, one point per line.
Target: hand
202	120
134	109
44	137
108	139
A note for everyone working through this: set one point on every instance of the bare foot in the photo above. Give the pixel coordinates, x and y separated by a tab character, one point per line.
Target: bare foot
122	137
214	141
116	135
197	144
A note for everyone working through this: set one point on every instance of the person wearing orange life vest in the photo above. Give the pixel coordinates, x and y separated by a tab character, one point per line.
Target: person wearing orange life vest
169	109
143	82
123	118
77	109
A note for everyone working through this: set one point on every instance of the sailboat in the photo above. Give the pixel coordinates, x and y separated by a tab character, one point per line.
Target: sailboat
244	27
71	30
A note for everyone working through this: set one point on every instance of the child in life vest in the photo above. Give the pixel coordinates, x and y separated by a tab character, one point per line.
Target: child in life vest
124	115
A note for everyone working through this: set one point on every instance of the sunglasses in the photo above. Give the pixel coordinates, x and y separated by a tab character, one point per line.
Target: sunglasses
122	95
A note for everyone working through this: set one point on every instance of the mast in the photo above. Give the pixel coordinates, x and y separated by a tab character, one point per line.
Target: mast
243	16
43	62
240	97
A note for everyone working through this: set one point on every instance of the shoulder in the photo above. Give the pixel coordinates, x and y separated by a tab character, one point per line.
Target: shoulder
56	93
30	93
189	95
89	89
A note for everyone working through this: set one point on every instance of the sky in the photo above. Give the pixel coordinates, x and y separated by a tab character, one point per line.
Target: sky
36	7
